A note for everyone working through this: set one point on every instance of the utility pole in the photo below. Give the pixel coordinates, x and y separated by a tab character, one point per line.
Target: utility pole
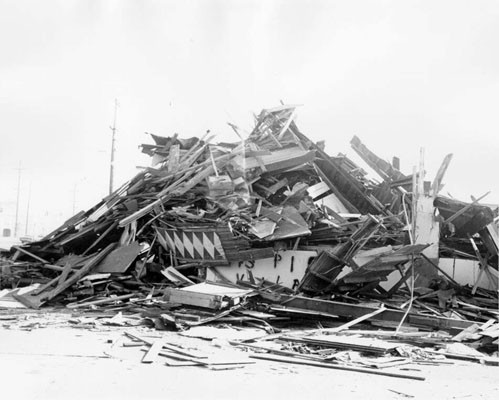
113	129
19	169
27	211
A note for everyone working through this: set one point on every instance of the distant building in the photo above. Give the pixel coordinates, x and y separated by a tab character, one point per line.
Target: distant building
7	218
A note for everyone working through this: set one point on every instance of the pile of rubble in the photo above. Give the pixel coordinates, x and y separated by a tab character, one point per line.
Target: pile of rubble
266	230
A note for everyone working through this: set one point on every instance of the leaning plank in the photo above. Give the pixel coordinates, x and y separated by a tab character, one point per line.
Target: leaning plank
291	360
441	271
465	208
30	254
143	211
175	276
101	237
354	321
44	287
39	299
82	271
436	186
65	273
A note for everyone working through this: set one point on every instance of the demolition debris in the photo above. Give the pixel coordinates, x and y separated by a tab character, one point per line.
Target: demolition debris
273	233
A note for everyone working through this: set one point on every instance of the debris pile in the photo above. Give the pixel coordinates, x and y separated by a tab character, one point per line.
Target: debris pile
272	230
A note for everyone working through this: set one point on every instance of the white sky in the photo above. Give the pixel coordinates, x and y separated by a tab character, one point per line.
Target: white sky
399	74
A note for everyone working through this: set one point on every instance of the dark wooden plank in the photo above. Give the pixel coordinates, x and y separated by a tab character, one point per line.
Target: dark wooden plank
355	310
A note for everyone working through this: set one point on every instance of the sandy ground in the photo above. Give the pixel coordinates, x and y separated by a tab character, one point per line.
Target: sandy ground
57	362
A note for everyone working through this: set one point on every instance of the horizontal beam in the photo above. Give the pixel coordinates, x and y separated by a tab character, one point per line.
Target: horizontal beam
355	310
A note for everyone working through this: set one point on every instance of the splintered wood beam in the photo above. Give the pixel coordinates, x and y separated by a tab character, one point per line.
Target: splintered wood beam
383	168
437	182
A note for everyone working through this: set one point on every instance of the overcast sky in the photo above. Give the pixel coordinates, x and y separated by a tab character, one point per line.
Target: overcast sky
399	74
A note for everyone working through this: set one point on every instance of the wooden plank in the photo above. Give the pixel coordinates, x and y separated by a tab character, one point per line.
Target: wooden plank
153	352
292	360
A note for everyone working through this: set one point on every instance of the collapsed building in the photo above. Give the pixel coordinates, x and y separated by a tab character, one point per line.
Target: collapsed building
275	216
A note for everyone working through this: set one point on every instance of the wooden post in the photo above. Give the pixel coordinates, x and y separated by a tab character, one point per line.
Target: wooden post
426	229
